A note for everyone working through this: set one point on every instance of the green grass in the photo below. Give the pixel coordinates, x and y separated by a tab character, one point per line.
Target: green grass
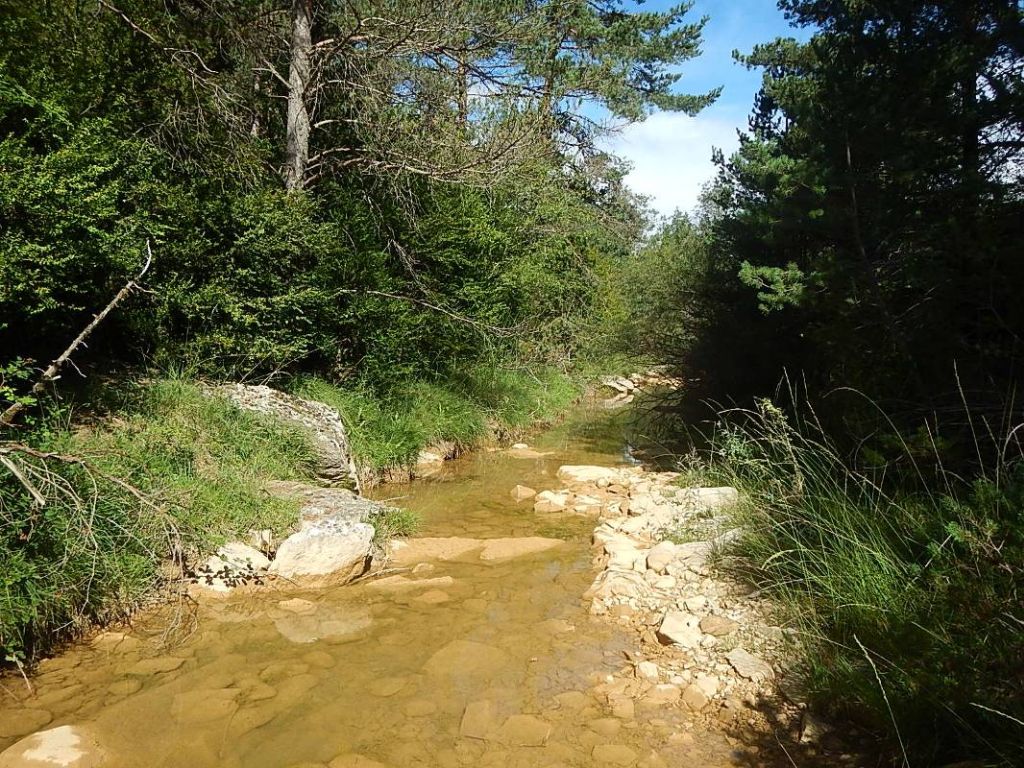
906	590
95	549
388	430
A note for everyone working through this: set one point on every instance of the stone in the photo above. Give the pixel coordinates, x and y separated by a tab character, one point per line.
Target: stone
680	628
551	501
403	583
326	550
648	670
572	700
420	708
125	687
323	423
241	557
660	556
19	722
718	626
519	446
443	548
115	642
749	666
663	694
204	706
477	720
708	498
387	686
353	760
522	493
524	731
506	549
614	754
695	698
605	726
586	475
465	657
707	684
319	503
156	666
433	597
337	624
67	746
297	605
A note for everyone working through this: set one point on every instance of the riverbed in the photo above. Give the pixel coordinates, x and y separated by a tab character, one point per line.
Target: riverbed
462	661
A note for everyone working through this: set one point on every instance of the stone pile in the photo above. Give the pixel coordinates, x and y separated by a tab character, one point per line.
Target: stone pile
627	387
706	644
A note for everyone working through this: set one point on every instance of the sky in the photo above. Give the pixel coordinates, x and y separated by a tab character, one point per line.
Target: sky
671	152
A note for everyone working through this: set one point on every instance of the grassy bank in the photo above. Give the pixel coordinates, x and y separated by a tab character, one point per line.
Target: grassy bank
903	582
167	473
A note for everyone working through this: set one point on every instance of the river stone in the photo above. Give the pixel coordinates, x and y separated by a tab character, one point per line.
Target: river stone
718	626
524	731
18	722
586	475
433	597
477	720
505	549
386	687
327	550
614	754
339	624
465	657
353	760
680	628
156	666
749	666
605	726
660	556
297	605
125	687
203	706
522	493
551	501
67	746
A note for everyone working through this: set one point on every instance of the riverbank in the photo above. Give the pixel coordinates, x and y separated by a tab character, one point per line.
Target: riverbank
161	474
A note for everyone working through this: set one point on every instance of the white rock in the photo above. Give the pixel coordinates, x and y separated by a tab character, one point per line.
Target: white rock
582	475
551	501
242	557
708	685
521	493
68	746
749	666
325	550
680	628
708	498
648	670
660	556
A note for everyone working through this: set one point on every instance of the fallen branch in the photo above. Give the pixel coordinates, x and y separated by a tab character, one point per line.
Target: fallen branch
52	372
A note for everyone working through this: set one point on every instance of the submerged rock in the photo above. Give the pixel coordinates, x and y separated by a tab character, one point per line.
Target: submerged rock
68	746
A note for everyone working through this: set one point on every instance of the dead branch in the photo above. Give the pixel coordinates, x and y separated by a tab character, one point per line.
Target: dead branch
52	372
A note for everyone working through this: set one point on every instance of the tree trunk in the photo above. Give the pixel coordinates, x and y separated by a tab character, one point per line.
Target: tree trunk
299	71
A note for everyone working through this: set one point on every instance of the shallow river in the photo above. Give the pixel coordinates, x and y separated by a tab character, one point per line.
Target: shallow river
403	677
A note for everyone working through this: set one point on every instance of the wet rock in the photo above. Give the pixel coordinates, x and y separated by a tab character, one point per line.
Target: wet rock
420	708
586	475
327	550
353	760
505	549
387	686
522	493
477	720
156	666
297	605
19	722
339	624
551	501
203	706
749	666
415	551
605	726
718	626
660	556
68	746
614	754
115	642
433	597
403	583
572	700
524	731
125	687
680	628
465	657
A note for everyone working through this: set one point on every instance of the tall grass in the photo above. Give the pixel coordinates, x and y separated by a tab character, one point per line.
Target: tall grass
905	585
95	549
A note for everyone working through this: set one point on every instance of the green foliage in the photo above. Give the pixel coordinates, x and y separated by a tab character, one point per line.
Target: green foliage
906	600
94	550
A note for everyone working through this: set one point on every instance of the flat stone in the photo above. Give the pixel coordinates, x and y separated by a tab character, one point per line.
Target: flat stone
125	687
387	686
326	550
67	746
707	684
661	556
749	666
433	597
19	722
465	657
156	666
524	731
505	549
718	626
522	493
648	670
614	754
550	501
297	605
572	700
586	475
443	548
477	720
680	628
662	694
352	760
335	625
605	726
203	706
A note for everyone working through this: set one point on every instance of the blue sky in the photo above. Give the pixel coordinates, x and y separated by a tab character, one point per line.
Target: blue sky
671	153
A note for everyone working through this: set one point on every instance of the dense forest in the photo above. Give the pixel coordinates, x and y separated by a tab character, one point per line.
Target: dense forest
403	209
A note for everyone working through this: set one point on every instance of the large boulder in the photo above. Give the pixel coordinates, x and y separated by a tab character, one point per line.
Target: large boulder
323	423
327	550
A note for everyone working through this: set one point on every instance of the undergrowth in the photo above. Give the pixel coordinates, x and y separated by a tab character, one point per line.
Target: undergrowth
904	583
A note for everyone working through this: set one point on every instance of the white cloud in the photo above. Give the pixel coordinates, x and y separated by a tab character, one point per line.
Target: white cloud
671	155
